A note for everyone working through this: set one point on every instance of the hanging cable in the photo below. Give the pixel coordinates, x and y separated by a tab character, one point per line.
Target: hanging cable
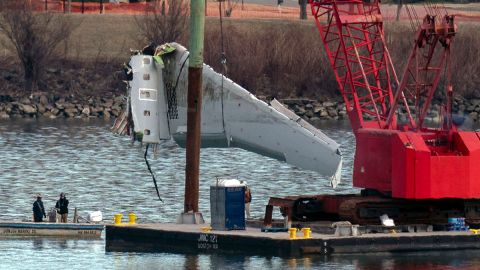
223	59
445	114
151	172
179	73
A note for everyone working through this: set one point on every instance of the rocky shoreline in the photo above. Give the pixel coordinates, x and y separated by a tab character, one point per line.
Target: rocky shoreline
313	110
55	106
52	106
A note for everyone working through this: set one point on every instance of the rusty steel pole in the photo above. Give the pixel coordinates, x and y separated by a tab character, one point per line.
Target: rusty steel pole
194	105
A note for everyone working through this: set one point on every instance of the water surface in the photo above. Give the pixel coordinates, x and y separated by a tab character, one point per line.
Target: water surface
102	171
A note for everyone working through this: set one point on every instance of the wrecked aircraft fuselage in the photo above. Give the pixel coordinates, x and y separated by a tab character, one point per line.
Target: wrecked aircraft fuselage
231	116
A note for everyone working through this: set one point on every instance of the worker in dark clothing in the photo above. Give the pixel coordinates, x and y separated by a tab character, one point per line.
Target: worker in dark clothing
62	207
248	199
38	209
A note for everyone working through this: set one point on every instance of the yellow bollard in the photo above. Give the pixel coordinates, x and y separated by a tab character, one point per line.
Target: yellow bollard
306	232
118	219
132	218
206	229
292	233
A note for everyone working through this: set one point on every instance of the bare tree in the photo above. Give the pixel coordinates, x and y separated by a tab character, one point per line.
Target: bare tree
303	9
228	6
399	9
166	22
34	36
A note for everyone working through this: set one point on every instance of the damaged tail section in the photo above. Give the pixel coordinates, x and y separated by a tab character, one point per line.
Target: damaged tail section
231	116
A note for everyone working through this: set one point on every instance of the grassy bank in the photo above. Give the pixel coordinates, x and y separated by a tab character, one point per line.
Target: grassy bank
268	57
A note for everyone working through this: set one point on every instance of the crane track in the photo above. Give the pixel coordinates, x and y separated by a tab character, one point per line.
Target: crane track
367	210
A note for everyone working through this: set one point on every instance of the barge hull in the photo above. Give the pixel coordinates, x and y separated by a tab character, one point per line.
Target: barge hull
29	229
191	239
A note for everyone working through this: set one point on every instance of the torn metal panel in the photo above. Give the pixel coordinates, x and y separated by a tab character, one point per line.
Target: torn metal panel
147	99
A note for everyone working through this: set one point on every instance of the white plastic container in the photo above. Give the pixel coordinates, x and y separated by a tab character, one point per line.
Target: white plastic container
228	182
386	221
95	216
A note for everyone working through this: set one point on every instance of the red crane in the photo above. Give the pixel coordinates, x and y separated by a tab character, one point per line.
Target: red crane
405	158
407	169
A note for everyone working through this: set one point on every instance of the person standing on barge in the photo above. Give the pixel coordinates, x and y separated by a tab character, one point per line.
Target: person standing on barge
62	207
38	209
248	199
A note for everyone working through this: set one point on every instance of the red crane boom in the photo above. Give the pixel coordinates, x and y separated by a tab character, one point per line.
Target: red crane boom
352	32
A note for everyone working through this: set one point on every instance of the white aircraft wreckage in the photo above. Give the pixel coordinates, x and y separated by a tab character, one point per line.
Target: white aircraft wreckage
231	116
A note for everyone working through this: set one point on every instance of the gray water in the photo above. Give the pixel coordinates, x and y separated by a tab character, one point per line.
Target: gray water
102	171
